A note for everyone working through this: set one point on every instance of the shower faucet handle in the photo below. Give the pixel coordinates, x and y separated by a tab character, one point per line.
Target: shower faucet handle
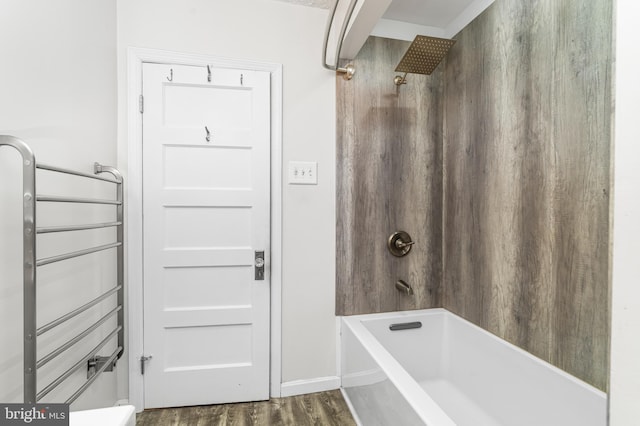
399	243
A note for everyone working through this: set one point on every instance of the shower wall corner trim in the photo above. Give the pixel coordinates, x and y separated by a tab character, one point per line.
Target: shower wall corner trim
31	263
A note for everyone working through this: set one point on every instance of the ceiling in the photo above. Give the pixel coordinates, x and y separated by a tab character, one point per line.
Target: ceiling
432	13
324	4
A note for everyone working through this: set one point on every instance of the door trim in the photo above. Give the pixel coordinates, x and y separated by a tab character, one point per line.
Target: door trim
133	232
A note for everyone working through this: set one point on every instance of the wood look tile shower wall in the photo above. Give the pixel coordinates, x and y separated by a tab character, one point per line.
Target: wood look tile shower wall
389	178
526	179
513	132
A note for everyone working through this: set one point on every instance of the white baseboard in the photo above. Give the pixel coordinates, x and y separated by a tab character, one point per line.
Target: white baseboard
301	387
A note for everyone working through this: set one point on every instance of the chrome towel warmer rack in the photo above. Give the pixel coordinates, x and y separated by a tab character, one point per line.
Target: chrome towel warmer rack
30	229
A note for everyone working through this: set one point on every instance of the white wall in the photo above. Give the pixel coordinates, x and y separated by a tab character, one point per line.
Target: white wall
625	330
58	93
276	32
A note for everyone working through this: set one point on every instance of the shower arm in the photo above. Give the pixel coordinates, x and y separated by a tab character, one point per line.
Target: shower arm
400	79
349	69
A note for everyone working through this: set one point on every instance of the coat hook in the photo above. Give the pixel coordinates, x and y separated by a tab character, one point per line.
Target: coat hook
170	78
241	79
208	73
208	137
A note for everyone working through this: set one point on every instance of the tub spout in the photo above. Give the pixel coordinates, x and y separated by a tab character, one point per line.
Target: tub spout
404	287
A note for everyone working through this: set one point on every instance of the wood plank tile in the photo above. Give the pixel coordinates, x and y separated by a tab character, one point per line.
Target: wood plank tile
526	179
322	408
389	178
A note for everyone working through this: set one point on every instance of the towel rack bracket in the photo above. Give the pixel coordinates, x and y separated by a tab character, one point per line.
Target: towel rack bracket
95	364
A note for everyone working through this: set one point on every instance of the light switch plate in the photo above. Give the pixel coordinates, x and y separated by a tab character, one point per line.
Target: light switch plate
303	173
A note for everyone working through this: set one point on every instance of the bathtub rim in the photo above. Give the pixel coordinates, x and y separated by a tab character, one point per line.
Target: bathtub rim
408	386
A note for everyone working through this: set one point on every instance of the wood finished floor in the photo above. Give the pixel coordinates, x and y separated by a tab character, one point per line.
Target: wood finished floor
323	408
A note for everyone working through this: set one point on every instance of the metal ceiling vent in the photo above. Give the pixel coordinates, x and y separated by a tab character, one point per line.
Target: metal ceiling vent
422	57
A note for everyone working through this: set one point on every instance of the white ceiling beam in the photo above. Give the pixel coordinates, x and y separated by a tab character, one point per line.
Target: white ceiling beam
397	30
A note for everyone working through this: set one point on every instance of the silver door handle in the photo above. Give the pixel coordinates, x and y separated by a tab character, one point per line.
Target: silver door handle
259	265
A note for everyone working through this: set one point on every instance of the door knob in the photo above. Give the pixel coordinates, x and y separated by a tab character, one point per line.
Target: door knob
259	265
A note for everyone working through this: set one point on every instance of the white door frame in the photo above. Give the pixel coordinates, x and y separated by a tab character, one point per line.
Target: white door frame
133	192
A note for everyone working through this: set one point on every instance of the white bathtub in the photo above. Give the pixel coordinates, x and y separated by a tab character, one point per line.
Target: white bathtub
451	372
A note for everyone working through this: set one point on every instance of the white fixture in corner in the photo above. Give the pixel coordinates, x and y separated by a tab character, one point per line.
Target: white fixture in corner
303	173
124	415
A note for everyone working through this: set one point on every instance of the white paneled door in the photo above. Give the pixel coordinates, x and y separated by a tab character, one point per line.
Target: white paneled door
206	156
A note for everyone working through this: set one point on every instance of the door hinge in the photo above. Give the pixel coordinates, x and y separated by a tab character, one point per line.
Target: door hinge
143	361
141	103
